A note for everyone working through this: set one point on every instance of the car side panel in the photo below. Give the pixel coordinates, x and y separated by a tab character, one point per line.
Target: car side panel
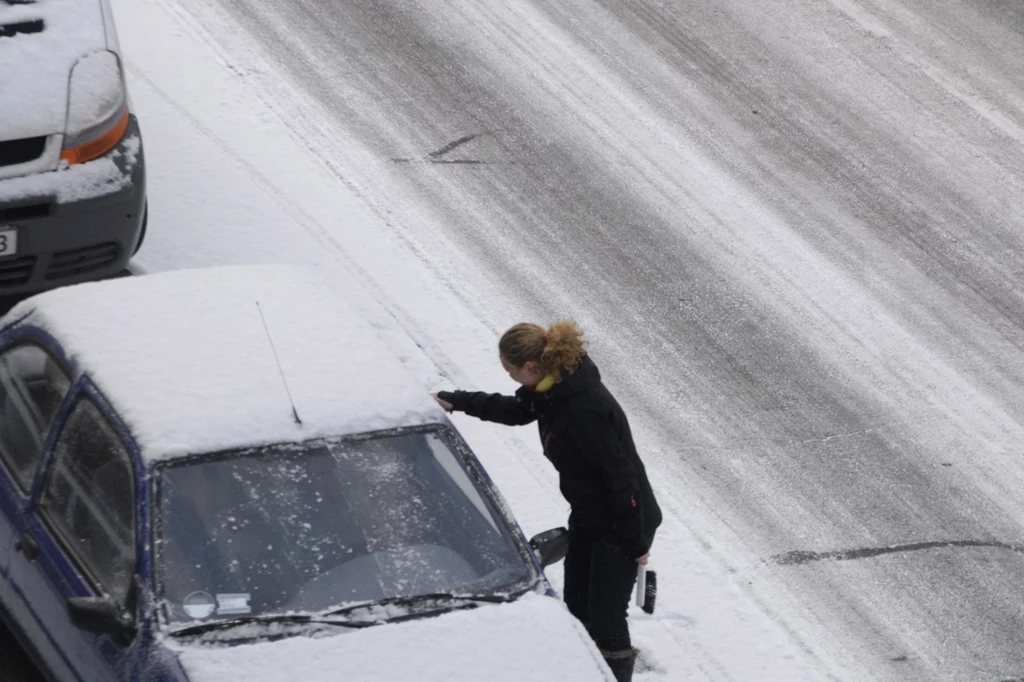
42	645
11	502
54	577
49	581
14	505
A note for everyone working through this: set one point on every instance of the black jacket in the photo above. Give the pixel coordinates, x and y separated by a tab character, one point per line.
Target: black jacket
586	436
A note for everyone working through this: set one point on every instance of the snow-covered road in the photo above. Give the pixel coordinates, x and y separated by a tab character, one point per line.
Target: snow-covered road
792	232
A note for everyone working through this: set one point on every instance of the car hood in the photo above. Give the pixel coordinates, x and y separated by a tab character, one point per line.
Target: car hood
534	638
35	65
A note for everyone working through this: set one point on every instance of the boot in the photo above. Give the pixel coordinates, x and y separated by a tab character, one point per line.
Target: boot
621	663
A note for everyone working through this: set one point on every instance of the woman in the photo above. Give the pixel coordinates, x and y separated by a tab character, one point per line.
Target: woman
586	436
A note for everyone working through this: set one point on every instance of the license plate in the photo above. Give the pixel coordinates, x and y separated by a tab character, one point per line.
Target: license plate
8	241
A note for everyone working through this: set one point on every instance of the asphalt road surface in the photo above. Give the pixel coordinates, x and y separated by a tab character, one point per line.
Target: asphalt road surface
794	233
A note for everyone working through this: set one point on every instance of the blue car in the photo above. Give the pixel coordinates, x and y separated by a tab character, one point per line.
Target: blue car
234	474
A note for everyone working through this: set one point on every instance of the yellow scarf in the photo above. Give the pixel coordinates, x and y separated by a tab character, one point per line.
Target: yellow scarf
546	383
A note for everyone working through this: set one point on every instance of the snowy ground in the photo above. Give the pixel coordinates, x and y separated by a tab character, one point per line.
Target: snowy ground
806	287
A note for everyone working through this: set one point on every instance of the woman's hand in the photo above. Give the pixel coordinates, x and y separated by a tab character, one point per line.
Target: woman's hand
443	403
643	559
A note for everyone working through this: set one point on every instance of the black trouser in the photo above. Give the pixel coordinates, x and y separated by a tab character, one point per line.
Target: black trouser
599	581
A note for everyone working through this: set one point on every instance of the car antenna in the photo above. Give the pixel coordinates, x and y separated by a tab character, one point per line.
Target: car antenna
295	413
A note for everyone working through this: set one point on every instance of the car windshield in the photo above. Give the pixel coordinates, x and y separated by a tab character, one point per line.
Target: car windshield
314	526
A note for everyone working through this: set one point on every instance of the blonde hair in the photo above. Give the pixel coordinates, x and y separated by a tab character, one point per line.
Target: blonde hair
558	349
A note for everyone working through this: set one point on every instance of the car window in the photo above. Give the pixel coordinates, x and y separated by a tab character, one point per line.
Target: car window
89	499
307	527
32	387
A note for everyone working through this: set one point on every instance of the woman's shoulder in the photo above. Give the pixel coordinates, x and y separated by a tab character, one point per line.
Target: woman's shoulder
592	396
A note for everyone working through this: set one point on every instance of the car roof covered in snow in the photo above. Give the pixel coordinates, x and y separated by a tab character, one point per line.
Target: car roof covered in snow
204	360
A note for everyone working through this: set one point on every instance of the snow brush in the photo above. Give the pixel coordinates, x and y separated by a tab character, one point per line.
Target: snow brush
646	588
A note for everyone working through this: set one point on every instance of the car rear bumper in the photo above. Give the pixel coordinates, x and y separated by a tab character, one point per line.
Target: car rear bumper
67	234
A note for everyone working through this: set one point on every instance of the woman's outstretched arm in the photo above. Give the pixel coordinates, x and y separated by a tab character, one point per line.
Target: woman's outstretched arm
491	407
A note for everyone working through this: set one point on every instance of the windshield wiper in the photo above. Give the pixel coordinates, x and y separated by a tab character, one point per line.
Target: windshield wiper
446	600
296	618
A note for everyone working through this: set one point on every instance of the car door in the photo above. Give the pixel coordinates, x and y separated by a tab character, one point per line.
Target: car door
81	529
33	386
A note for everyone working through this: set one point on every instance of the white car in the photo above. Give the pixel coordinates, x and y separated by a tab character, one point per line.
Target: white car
234	474
72	182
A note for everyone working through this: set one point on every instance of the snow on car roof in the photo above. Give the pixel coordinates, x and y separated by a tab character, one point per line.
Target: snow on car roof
185	357
529	639
36	61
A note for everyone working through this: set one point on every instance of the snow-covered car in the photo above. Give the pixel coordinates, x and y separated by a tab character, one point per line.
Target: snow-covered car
237	473
72	182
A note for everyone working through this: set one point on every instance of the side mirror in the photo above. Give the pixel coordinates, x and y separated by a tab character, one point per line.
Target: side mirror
551	546
101	615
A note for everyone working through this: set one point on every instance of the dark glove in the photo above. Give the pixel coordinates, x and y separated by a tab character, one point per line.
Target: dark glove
449	397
